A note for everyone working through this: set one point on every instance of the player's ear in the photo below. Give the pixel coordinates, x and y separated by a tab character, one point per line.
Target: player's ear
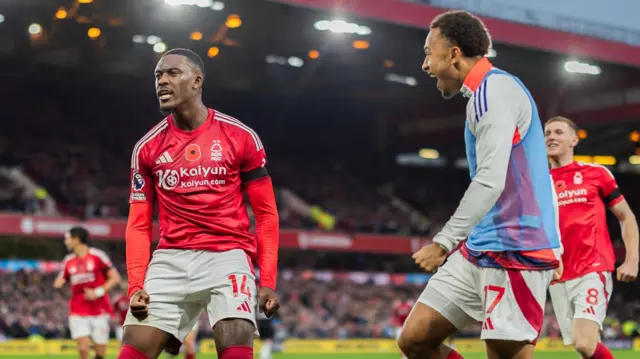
456	54
197	83
574	141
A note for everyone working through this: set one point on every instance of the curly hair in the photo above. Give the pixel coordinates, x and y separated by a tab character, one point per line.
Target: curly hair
464	30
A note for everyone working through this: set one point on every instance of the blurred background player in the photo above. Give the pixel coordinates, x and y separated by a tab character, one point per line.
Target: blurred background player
501	274
584	191
401	309
267	335
120	309
92	276
189	347
196	164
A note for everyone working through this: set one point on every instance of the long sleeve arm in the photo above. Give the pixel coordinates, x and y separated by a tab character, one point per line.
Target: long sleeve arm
263	203
138	243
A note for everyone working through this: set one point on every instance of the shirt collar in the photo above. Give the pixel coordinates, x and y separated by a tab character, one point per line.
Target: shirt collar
475	77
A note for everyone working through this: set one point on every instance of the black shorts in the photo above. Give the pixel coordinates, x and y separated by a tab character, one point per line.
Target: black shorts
266	329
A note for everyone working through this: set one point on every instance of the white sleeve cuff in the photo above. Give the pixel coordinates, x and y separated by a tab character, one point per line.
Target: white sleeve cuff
447	244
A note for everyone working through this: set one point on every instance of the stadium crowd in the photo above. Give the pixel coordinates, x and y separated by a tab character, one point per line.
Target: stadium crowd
72	152
315	308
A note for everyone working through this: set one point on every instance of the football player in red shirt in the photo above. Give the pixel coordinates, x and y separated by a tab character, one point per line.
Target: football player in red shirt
120	309
584	191
401	309
92	276
196	165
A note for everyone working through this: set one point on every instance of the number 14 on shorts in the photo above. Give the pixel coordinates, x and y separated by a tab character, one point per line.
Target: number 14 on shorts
242	279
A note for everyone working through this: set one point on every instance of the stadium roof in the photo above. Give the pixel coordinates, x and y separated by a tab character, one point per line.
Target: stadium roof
380	86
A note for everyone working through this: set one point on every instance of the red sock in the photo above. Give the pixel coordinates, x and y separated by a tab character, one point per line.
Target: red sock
602	352
454	355
189	355
129	352
236	352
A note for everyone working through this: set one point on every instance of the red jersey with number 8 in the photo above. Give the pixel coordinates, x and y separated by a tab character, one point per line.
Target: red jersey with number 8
584	192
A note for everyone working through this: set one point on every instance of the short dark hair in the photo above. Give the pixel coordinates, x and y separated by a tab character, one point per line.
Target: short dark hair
191	56
464	30
565	120
81	233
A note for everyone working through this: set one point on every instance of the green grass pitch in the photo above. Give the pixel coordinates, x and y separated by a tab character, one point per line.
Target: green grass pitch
541	354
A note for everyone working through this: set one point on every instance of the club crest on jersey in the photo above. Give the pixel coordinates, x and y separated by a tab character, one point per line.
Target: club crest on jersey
192	152
137	182
577	178
90	265
216	151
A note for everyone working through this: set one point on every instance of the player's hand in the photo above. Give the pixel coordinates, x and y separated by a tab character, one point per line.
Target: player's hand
139	304
89	294
268	301
557	274
628	271
58	283
430	257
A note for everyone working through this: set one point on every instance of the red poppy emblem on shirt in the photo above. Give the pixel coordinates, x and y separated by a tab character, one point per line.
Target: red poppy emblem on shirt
192	152
560	186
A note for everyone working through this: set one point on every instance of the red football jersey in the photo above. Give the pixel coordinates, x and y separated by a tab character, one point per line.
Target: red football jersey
120	308
401	310
89	271
195	177
584	191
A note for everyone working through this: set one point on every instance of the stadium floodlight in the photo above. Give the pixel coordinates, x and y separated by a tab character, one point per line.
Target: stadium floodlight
160	47
275	59
199	3
217	6
429	153
404	80
581	68
295	61
341	27
35	29
139	39
1	18
153	40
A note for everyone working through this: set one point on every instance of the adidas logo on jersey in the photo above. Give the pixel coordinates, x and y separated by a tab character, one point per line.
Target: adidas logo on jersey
244	307
164	158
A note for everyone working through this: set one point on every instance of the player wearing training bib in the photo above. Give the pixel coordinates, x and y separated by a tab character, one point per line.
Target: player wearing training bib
580	298
508	215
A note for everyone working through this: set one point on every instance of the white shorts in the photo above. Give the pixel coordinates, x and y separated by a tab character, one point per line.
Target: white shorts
586	297
509	303
119	332
95	327
182	283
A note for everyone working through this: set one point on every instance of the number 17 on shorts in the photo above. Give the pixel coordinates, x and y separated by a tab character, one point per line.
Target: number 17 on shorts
513	302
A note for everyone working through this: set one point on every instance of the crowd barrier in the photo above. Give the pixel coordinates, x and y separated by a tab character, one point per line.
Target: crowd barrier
298	346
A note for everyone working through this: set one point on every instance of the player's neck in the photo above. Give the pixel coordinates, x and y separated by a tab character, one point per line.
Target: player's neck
191	116
466	66
81	250
557	162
